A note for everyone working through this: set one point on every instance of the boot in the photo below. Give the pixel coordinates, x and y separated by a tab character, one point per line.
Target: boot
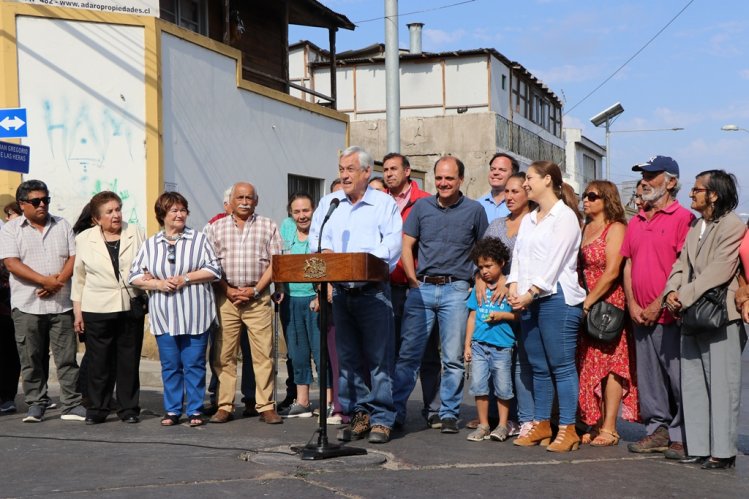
539	434
566	440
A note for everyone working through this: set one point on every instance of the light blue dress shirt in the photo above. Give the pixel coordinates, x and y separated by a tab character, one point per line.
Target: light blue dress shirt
493	210
373	225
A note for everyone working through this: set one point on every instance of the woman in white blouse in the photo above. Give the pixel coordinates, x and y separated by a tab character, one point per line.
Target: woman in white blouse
543	284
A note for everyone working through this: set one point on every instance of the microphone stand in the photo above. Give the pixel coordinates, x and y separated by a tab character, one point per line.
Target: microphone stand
324	449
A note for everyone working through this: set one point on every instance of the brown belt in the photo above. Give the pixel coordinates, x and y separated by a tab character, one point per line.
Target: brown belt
438	279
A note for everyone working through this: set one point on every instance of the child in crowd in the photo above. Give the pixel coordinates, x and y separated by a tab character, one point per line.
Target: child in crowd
489	341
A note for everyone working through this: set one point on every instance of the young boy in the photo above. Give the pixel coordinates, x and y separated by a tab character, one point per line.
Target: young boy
489	341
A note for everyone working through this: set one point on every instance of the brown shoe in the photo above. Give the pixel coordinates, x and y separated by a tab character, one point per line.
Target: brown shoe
379	434
540	434
566	440
270	417
655	442
357	429
222	416
675	451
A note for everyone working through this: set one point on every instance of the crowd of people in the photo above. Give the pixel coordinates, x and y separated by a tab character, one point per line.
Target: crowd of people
514	286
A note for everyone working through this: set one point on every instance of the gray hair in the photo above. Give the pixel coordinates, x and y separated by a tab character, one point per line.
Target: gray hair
365	159
227	195
231	191
675	189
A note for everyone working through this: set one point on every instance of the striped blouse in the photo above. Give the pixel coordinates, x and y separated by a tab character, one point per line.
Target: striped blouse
192	309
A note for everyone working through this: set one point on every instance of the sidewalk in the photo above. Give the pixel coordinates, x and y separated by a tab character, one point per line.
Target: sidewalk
248	458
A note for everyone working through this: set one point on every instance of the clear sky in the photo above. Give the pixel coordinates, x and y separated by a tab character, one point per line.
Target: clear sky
694	74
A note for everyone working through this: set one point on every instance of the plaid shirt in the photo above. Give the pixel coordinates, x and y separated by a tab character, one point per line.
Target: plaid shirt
43	252
244	254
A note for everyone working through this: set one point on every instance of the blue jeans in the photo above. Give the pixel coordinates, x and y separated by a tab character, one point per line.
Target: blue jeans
491	362
183	371
523	380
302	329
365	336
447	304
550	329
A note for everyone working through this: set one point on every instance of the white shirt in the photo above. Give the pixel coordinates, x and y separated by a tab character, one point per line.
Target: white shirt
545	254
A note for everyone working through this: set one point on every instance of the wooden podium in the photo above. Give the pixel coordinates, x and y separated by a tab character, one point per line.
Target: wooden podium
325	268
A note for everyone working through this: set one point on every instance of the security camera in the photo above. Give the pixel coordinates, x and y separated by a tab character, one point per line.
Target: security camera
607	114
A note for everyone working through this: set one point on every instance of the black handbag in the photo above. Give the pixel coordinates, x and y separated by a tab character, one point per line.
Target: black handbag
604	321
708	313
138	304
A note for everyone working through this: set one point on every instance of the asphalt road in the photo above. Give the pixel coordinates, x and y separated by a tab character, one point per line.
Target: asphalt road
248	458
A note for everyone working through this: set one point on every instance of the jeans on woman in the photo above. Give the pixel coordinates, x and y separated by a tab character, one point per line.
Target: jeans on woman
550	328
183	371
302	336
523	381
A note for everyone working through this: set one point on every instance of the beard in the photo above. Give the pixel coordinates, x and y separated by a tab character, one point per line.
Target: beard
653	194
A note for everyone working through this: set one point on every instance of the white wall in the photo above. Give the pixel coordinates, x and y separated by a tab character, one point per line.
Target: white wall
215	134
83	86
500	99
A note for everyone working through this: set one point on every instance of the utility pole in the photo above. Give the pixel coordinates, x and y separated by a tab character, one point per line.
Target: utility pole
392	77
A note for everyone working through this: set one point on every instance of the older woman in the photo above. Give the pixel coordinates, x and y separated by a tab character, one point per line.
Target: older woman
177	265
543	284
711	358
101	302
606	369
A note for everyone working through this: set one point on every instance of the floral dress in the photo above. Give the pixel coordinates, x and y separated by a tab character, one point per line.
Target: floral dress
595	359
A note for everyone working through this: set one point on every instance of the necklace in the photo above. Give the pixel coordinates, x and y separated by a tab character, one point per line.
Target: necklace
112	244
173	238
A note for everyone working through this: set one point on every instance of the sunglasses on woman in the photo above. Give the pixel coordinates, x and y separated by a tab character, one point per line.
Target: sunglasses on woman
592	196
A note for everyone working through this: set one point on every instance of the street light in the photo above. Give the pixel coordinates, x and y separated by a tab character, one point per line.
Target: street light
733	128
606	117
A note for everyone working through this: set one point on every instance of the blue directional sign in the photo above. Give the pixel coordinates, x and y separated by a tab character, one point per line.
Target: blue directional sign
14	157
13	123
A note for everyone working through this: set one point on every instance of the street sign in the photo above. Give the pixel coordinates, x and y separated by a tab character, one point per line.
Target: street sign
13	123
14	157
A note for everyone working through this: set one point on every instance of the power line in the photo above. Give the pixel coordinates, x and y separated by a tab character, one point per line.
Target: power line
416	12
690	2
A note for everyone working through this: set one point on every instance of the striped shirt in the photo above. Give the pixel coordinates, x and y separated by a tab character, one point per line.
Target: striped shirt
192	309
244	254
43	252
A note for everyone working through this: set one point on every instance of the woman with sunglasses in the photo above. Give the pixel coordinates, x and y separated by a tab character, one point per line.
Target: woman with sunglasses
101	302
543	285
177	266
606	369
710	358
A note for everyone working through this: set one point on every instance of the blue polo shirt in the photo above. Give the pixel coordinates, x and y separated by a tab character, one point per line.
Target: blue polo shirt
446	235
493	210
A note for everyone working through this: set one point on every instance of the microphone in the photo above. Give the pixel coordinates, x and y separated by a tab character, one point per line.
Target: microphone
333	205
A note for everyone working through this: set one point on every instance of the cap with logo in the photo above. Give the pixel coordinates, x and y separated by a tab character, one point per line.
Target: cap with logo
658	164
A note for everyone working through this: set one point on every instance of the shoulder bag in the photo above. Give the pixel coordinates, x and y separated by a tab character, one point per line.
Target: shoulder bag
708	313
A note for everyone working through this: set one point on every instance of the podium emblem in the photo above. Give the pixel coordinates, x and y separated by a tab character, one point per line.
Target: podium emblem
315	268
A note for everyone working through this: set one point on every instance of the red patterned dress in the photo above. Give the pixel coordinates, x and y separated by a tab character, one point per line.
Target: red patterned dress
595	359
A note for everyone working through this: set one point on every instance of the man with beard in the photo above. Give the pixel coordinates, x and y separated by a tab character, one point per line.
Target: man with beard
652	244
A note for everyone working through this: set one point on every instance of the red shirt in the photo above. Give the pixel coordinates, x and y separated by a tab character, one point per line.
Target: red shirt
653	246
398	276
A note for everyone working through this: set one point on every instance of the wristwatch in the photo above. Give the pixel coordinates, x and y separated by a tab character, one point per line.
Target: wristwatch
186	278
257	294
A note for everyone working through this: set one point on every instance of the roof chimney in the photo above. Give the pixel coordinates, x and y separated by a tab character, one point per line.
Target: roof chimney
414	30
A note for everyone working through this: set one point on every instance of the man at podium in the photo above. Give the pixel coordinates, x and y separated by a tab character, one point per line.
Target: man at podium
368	221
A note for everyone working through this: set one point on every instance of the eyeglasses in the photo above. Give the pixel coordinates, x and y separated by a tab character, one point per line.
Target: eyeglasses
592	196
696	190
35	202
171	256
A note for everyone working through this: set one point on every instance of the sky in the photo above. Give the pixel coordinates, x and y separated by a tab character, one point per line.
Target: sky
693	75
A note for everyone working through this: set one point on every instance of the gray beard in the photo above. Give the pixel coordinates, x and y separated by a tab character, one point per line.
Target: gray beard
654	196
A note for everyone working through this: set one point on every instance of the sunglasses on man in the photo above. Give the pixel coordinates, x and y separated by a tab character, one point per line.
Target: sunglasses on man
35	202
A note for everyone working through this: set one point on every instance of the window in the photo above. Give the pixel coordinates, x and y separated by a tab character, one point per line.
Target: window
310	185
589	168
189	14
504	82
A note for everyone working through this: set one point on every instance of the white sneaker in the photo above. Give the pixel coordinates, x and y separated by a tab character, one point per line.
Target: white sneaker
525	428
77	413
513	428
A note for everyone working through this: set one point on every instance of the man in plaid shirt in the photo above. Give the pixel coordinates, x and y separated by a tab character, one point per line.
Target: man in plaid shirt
244	243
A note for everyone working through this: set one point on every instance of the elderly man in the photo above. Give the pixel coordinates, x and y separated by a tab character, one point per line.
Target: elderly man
245	243
501	166
368	221
39	252
444	229
652	244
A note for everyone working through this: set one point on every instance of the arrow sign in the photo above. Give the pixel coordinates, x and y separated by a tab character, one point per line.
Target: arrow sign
13	123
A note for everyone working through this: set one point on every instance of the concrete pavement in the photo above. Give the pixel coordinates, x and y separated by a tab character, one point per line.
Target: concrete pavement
249	458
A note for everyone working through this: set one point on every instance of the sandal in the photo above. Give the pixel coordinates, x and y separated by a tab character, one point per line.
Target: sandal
591	435
606	438
196	420
170	420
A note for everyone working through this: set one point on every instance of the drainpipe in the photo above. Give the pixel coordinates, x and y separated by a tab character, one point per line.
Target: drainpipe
414	30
